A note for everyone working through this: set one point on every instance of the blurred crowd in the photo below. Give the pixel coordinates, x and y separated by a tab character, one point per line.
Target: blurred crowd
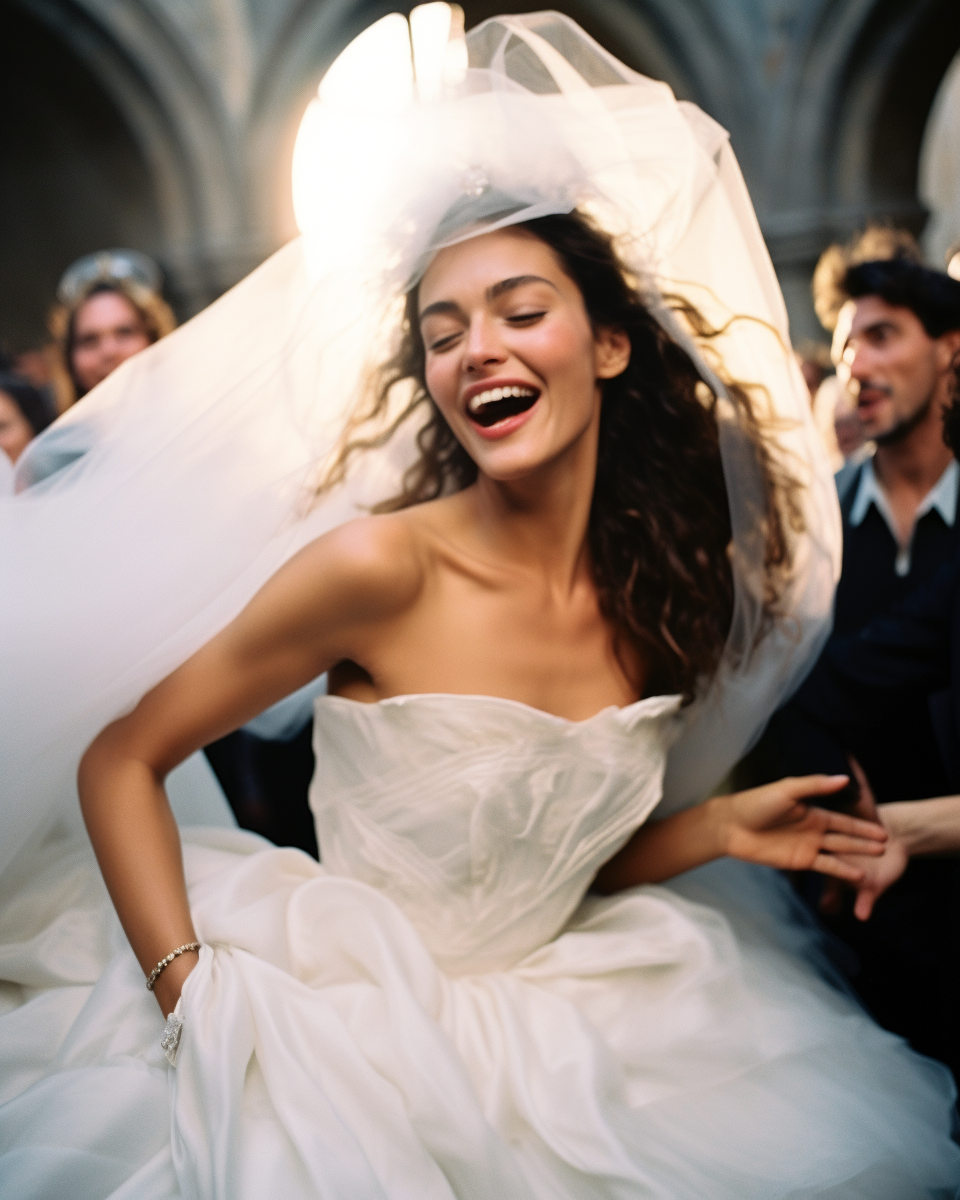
108	307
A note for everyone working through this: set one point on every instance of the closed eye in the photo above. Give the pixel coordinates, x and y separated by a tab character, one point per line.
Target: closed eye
443	343
526	318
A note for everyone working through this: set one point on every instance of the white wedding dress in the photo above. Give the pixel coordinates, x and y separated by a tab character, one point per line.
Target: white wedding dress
438	1010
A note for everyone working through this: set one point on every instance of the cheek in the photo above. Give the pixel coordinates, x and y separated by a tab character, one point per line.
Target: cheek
570	358
910	361
441	380
14	435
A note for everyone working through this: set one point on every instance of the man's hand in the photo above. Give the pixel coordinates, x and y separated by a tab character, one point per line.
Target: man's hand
775	825
878	873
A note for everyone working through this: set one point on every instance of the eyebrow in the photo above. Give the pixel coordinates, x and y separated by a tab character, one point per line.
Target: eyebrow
873	327
492	293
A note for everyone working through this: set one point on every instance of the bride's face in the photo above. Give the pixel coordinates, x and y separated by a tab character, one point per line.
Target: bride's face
512	361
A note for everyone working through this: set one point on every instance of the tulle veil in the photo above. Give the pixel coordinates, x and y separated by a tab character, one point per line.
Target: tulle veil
150	513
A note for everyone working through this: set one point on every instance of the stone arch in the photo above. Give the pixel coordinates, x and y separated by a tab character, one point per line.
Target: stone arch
170	120
852	156
74	177
940	169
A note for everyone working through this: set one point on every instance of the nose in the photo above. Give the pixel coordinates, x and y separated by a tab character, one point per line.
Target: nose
856	360
483	346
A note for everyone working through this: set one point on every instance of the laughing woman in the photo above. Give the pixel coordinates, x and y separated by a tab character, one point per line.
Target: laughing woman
485	990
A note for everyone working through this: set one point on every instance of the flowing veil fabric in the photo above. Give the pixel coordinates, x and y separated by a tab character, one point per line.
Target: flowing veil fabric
148	515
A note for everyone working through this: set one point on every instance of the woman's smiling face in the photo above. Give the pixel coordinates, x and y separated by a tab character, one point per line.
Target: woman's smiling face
512	361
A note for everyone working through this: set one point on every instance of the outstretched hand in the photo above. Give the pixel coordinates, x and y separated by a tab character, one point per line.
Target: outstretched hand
778	826
775	825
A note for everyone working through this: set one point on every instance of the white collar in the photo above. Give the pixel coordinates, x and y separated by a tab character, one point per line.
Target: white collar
942	496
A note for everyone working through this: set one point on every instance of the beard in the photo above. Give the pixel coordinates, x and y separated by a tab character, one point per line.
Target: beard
906	426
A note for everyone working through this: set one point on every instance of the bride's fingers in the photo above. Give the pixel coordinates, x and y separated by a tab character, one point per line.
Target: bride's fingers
855	826
845	843
800	788
827	864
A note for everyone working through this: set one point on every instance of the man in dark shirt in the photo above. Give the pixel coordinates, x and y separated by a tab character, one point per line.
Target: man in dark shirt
899	525
904	662
899	507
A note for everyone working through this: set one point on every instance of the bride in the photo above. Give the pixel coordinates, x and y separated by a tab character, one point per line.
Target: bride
595	550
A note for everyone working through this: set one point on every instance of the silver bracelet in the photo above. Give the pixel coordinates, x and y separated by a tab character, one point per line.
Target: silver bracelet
165	962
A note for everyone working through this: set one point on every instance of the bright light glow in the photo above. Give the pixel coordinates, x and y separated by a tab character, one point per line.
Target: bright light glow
343	137
456	59
348	135
436	31
307	169
374	71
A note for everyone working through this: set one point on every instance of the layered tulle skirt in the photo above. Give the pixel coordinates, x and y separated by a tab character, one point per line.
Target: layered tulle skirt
686	1042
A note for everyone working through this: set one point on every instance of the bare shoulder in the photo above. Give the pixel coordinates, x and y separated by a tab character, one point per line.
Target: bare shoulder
378	562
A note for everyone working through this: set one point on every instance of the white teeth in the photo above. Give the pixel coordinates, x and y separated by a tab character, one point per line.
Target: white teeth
498	393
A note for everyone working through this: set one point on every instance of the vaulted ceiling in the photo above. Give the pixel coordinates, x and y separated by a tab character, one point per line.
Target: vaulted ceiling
169	124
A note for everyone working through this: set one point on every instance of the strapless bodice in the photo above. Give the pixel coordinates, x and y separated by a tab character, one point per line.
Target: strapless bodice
483	819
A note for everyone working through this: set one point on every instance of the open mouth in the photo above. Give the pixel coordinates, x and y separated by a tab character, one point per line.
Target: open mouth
500	403
870	396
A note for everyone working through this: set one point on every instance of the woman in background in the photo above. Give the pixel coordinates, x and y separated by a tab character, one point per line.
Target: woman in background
109	307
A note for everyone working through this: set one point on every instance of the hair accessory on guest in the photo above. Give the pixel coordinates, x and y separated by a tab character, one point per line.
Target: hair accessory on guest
108	266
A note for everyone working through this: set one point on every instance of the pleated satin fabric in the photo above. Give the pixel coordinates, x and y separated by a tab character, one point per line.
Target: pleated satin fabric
441	1011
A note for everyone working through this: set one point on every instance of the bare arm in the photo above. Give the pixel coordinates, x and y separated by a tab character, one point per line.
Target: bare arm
316	611
773	825
924	826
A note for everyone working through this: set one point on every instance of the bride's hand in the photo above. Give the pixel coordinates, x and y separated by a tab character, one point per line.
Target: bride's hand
170	982
776	825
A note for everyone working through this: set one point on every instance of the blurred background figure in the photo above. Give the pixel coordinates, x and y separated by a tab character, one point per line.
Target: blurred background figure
815	364
109	307
837	406
25	411
819	374
897	343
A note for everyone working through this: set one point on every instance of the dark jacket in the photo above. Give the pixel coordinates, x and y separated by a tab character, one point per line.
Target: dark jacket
896	727
876	679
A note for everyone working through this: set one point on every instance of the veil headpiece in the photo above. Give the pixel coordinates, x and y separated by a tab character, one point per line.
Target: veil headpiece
150	513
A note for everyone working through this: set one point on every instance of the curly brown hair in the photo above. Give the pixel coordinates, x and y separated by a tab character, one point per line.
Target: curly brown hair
659	530
951	411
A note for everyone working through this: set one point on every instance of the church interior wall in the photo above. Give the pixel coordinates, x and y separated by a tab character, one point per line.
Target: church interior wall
168	125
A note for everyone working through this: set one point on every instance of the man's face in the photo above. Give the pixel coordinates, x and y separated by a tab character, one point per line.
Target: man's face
895	367
107	330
